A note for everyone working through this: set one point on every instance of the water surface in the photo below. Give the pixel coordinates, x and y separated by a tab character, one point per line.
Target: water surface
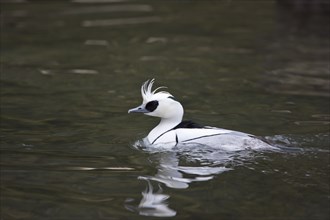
70	70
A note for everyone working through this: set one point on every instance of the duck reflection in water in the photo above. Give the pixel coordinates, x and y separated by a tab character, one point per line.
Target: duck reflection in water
154	203
170	173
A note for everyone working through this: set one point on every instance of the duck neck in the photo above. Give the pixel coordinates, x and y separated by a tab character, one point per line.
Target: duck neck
164	125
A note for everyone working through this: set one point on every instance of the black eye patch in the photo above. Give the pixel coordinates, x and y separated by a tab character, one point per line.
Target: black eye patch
151	106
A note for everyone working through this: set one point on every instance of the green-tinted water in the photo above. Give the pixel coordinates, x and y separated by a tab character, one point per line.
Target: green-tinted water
71	70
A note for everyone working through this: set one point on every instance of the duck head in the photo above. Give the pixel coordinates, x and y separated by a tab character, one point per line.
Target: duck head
158	103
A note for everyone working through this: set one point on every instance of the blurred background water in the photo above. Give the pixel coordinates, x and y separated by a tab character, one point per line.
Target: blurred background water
70	70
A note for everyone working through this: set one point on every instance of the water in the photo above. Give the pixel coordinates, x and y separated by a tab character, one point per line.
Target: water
71	70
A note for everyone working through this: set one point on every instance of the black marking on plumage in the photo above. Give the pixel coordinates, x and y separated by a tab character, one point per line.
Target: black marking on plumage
188	124
160	136
152	105
183	124
261	139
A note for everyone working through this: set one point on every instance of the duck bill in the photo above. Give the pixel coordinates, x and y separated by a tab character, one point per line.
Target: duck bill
139	109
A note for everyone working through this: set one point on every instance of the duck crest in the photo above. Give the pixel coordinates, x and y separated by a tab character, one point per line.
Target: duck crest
149	95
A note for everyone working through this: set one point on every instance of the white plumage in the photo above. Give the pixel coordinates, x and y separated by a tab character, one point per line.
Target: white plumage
172	131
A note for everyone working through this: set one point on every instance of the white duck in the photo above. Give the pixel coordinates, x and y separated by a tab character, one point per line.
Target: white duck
172	131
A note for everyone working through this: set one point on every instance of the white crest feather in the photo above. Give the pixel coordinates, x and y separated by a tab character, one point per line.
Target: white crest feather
148	94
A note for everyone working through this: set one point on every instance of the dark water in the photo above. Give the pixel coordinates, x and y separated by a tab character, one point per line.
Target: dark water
70	70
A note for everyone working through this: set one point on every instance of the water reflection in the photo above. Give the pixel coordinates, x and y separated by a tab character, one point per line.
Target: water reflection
154	203
202	163
206	164
170	173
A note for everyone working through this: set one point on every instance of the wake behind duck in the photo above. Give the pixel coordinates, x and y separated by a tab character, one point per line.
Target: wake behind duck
172	131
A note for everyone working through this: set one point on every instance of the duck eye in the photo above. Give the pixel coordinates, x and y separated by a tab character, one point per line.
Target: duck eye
151	106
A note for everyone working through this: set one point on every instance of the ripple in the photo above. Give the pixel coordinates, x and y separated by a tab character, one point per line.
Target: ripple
112	8
13	1
97	42
300	78
304	123
84	71
151	40
281	111
17	13
96	1
101	168
153	58
322	116
46	72
120	21
75	71
301	143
